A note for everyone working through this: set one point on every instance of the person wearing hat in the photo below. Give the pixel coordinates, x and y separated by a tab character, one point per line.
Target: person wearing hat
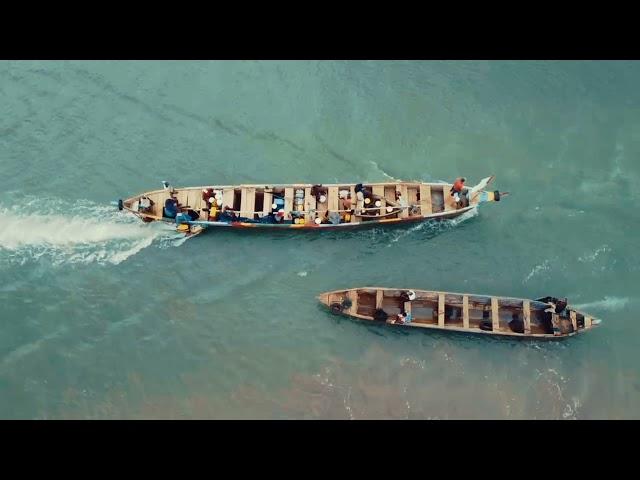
171	207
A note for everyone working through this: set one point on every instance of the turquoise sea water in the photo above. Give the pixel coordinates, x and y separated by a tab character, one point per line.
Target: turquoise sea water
104	317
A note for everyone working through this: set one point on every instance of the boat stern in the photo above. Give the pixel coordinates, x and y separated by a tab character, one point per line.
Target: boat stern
338	301
323	298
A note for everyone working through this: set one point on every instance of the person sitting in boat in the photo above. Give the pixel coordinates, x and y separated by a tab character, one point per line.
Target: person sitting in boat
516	324
408	296
458	191
319	192
345	200
171	207
560	325
228	215
145	204
213	209
402	202
402	318
334	217
552	317
359	202
560	303
551	307
344	205
207	193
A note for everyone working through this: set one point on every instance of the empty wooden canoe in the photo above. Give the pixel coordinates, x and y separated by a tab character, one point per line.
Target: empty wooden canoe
459	312
307	206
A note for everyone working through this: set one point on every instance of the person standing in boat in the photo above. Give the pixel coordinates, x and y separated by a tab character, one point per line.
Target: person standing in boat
551	314
404	316
457	191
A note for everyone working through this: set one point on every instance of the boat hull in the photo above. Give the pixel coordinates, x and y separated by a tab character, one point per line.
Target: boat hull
458	313
313	226
396	203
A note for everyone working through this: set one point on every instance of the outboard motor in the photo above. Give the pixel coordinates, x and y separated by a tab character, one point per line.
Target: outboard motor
120	205
490	196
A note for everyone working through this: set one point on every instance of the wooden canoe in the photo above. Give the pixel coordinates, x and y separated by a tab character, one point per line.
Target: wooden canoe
459	312
251	205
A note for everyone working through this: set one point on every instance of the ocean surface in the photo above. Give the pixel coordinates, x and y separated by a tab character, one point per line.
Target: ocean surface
103	317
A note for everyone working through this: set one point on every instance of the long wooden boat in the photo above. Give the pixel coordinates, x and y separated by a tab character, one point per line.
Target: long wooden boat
461	312
307	206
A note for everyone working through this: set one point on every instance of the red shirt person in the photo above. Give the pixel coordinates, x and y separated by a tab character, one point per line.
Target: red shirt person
458	185
456	191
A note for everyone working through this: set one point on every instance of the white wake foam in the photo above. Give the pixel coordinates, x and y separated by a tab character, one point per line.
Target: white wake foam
610	304
543	267
591	257
435	226
377	167
78	232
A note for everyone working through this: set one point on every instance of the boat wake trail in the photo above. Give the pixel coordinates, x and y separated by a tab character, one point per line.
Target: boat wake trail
610	304
377	167
433	228
79	232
